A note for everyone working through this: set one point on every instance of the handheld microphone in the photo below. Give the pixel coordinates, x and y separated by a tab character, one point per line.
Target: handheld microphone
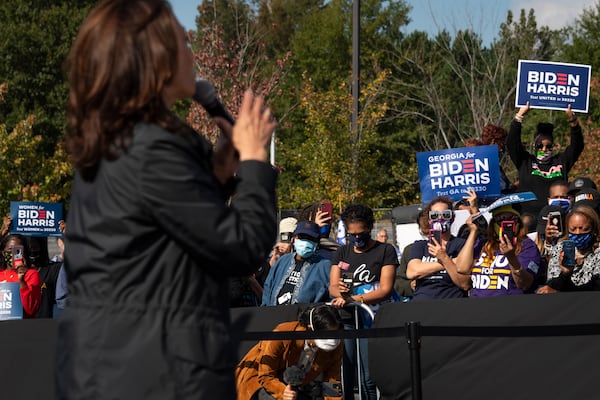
207	97
293	376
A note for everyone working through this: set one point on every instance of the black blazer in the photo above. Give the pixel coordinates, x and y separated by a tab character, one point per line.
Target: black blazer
150	244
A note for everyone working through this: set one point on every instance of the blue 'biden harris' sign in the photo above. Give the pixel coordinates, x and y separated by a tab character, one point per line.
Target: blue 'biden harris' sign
11	306
553	85
35	218
452	172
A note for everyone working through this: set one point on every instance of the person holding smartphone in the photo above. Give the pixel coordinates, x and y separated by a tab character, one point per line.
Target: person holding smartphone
15	268
583	228
432	262
321	213
362	271
301	276
508	262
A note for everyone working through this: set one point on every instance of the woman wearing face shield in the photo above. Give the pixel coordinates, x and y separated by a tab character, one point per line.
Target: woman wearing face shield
301	276
294	369
433	263
583	228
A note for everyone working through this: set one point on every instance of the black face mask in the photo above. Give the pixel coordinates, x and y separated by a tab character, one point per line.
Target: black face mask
7	258
34	258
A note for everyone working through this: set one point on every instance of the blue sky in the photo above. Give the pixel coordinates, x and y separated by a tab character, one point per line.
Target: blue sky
481	16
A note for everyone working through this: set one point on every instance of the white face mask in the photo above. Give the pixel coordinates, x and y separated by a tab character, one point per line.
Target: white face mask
327	344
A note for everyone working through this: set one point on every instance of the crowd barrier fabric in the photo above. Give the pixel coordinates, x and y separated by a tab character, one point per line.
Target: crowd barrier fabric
513	347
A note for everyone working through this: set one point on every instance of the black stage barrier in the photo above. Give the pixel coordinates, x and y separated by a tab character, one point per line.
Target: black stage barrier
498	364
27	353
513	347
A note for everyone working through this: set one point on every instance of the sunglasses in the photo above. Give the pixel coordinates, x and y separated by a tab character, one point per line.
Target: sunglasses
540	146
445	214
506	217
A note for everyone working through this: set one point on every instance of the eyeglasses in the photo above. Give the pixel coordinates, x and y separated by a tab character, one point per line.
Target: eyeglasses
506	217
541	146
445	214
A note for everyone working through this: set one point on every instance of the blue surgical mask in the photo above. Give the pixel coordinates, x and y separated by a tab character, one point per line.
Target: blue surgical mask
583	241
305	248
564	204
361	241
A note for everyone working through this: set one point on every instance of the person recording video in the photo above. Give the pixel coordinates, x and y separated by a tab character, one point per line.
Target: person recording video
294	369
152	238
16	268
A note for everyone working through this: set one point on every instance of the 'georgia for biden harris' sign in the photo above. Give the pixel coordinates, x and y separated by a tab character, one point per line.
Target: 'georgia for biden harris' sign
553	85
452	172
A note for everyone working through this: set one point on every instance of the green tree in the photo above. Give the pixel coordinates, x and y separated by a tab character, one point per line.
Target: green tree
35	37
581	45
452	87
232	66
324	165
26	174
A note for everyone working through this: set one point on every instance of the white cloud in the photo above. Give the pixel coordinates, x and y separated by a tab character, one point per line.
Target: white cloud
552	13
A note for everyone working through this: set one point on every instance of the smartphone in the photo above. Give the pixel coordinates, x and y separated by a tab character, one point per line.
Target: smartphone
555	218
327	207
285	237
507	228
17	257
435	234
568	247
347	278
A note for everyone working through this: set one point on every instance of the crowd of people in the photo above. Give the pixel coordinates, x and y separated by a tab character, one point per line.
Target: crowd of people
510	250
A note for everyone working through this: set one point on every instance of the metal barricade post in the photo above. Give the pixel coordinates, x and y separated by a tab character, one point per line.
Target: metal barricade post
413	338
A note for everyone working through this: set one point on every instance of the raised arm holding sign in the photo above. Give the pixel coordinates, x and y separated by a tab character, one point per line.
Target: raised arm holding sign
540	168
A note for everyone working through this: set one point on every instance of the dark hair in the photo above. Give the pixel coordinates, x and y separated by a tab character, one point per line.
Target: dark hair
123	57
358	213
423	222
493	241
44	257
493	134
309	212
324	317
22	239
558	183
531	227
439	199
591	216
472	142
545	130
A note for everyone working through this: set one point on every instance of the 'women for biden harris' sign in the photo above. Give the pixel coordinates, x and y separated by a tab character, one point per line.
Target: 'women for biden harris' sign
35	219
